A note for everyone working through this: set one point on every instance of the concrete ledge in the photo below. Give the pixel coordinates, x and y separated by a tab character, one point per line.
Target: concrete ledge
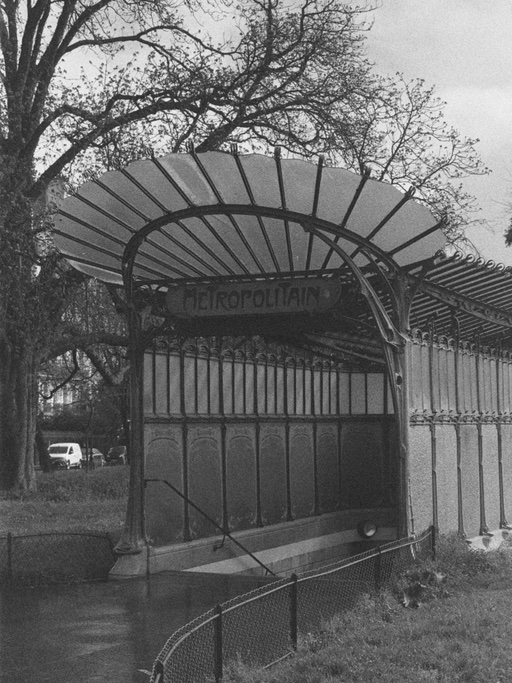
492	541
128	566
283	548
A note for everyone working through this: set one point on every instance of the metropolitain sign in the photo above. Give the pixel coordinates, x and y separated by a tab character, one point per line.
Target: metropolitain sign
274	297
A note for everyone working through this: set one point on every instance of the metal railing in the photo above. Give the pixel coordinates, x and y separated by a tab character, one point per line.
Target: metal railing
55	557
225	533
262	627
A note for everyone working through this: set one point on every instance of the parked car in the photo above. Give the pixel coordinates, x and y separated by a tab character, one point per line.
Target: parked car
65	455
117	456
95	458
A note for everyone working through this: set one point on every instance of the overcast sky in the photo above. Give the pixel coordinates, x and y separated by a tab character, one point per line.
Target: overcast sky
464	48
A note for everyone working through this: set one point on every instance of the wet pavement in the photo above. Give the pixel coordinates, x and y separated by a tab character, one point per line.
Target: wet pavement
107	632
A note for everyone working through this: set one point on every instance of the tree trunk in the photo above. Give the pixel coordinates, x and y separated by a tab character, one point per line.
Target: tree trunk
42	450
18	403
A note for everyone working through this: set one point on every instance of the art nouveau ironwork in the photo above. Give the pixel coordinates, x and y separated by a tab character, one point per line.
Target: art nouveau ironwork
242	225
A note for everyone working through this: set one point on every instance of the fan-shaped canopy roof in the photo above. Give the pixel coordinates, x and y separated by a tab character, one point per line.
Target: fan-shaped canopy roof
217	215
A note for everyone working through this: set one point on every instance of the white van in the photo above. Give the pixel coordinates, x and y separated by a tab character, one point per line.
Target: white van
65	455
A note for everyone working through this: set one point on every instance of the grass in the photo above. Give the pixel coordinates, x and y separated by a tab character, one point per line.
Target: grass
459	633
69	500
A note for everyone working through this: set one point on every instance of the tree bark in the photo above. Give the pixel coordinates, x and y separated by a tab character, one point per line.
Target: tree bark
18	402
42	450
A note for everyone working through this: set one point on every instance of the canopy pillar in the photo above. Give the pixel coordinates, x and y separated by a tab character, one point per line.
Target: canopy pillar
133	539
396	357
394	333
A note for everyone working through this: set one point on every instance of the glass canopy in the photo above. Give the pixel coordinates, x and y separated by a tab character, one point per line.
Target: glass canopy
217	215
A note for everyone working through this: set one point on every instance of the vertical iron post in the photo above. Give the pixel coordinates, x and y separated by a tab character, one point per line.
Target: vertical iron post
314	417
433	449
433	540
293	611
9	556
133	538
460	507
378	569
218	645
499	411
257	443
287	455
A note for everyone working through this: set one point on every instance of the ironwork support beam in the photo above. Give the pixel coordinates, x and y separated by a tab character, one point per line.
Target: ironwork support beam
394	339
472	307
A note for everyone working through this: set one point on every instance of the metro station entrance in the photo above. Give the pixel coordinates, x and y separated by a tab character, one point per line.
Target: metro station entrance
269	311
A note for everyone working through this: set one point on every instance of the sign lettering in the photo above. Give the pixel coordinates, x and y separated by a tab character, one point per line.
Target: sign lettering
307	295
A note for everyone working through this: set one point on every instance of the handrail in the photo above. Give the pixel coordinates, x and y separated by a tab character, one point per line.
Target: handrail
212	521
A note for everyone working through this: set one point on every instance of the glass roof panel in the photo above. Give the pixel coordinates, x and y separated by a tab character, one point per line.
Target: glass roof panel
429	244
90	220
214	243
191	242
223	171
163	255
375	202
178	251
299	179
256	234
96	198
146	263
277	234
93	255
229	230
299	241
183	169
336	193
82	234
103	274
261	173
410	221
126	190
153	178
319	253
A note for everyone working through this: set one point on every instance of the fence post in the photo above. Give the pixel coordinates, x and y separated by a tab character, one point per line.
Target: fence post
293	611
218	645
378	569
433	539
9	555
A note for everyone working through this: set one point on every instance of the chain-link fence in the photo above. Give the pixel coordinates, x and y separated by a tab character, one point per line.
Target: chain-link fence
55	558
262	627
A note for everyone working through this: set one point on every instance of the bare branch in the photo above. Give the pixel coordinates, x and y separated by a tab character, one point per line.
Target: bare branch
76	368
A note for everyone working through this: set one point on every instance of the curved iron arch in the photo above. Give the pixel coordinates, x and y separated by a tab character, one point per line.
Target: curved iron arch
308	222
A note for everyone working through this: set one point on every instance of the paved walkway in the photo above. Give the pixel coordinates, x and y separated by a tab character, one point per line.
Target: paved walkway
104	632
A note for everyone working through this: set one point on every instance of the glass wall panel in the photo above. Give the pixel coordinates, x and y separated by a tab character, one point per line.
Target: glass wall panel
227	387
358	403
344	393
174	384
161	385
238	388
375	384
149	379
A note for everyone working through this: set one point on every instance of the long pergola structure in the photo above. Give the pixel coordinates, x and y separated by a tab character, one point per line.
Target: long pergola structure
220	244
